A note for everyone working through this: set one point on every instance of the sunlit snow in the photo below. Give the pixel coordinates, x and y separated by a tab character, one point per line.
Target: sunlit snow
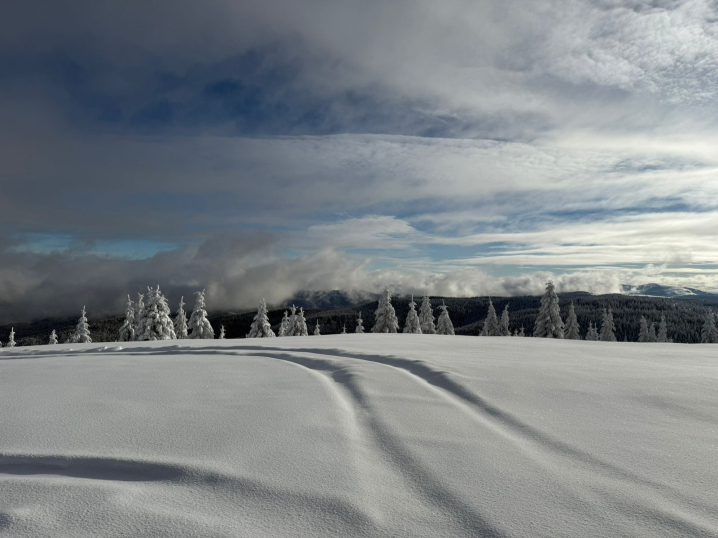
359	435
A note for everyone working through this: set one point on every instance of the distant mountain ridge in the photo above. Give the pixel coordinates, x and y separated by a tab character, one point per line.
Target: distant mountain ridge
329	300
658	290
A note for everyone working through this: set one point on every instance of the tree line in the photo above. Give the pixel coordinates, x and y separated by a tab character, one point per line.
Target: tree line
575	316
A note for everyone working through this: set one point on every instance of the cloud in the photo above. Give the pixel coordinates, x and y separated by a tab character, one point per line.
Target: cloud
674	238
368	232
449	136
215	181
237	270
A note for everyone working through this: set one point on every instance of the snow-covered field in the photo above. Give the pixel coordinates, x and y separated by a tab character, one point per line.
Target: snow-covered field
359	435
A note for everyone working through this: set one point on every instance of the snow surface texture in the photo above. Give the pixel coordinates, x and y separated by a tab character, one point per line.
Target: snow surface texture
359	435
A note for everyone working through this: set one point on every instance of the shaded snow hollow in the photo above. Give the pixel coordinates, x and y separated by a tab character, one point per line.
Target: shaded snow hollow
359	435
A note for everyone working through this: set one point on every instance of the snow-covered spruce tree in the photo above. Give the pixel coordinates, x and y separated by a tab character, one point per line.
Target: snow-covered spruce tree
82	331
127	331
426	317
549	323
607	333
709	332
444	325
181	321
291	323
300	324
139	313
504	323
491	323
360	325
386	320
662	335
156	323
261	327
11	340
571	329
317	332
413	325
199	325
53	338
344	328
592	333
221	332
652	333
643	332
521	332
284	325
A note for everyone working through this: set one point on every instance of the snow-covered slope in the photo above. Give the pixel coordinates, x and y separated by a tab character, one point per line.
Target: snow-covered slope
658	290
359	435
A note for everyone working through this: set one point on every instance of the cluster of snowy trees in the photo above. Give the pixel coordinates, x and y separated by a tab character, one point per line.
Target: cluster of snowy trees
386	320
648	333
493	326
416	323
550	325
150	318
80	335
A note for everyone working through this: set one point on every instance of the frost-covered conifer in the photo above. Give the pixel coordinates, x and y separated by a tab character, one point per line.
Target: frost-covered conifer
299	327
199	325
53	338
139	314
82	331
608	333
709	333
571	329
643	332
662	335
292	323
360	325
344	328
652	333
491	323
504	324
549	323
261	327
221	332
386	321
444	325
592	334
426	317
181	321
521	332
11	340
284	325
156	323
127	331
413	325
317	332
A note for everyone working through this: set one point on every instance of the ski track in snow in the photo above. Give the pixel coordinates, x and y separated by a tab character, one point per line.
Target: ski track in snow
600	497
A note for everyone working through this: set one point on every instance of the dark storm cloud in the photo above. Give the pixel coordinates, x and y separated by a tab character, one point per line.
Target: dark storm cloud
235	268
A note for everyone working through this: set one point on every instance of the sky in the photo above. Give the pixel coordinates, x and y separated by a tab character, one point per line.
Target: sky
256	149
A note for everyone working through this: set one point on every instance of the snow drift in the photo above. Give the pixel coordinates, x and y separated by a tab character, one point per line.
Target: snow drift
359	435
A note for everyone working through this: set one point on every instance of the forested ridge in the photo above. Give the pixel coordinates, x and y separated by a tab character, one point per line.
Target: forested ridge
684	317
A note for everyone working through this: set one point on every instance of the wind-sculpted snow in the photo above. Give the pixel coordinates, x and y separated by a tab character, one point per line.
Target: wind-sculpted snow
359	435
